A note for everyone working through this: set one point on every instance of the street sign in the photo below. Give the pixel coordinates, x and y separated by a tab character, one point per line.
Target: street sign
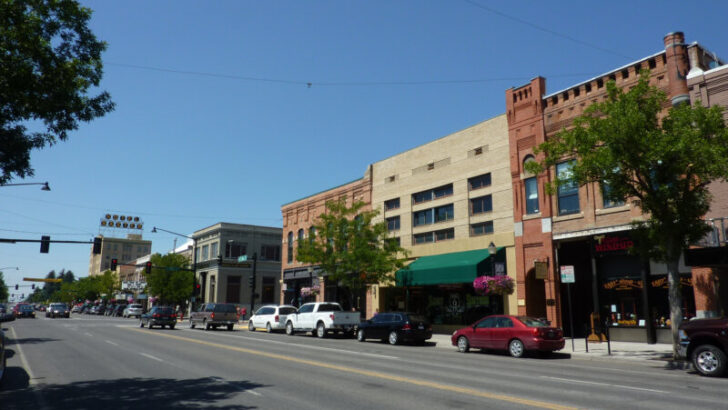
567	274
242	258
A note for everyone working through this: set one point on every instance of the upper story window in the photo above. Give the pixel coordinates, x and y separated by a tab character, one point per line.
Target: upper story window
481	228
391	204
270	252
289	257
300	234
393	223
608	203
233	249
205	252
481	205
568	191
214	250
435	236
531	185
430	194
432	215
481	181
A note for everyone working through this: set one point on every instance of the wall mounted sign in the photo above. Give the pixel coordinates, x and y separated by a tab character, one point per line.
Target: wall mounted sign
623	284
540	270
662	282
612	243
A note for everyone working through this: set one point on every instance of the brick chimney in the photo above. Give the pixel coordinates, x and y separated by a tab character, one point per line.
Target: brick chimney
678	65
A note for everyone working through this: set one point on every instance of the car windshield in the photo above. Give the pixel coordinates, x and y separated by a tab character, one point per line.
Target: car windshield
135	306
164	311
532	322
58	306
329	307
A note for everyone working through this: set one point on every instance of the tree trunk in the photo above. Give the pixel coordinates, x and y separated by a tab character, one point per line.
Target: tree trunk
675	299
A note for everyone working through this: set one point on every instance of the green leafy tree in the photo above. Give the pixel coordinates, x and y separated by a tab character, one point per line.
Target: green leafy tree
87	288
353	251
665	162
4	294
108	283
49	64
170	280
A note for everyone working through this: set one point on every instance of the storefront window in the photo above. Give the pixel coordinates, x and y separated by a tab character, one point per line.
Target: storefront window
447	304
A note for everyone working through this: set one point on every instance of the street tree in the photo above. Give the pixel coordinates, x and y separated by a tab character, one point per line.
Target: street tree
4	294
170	280
352	250
50	66
108	283
662	161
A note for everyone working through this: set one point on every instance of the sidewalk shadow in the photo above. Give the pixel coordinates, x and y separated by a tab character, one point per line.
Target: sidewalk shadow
32	340
126	394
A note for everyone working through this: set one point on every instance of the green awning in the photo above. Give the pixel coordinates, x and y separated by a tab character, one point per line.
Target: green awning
447	268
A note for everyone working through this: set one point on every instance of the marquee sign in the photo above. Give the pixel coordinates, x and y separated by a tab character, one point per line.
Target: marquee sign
612	243
121	222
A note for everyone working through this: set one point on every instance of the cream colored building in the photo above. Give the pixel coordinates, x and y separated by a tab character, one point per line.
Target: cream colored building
124	250
450	195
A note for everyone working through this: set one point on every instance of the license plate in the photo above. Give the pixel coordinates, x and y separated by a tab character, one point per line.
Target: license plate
551	335
421	327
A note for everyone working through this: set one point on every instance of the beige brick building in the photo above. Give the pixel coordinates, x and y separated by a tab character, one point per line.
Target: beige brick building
450	195
124	250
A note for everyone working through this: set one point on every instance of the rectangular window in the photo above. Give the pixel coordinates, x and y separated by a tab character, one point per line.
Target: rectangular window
481	205
608	203
205	252
197	254
436	236
391	204
531	195
234	249
393	223
423	217
394	240
213	250
233	290
482	228
430	194
444	234
270	252
481	181
444	213
421	238
568	189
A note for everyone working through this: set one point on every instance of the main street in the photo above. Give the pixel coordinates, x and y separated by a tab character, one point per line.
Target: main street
110	363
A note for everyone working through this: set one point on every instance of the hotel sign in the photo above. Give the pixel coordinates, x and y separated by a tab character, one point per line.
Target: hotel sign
612	243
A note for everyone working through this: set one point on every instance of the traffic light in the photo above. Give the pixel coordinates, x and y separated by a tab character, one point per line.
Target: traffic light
148	268
219	259
114	262
45	243
251	282
97	246
197	289
32	286
16	286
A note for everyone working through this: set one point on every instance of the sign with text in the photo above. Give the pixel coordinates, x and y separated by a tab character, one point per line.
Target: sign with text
567	274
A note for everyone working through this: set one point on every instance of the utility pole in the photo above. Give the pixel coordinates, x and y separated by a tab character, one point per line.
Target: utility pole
252	284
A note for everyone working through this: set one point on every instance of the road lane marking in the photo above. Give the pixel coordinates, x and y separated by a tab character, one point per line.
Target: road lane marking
111	343
370	373
88	334
602	384
151	357
380	356
33	382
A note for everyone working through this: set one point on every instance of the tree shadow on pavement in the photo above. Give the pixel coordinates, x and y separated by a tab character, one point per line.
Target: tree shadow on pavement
130	393
32	340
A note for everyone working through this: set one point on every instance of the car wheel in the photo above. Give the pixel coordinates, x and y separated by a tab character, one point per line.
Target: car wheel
141	323
192	324
171	327
360	336
709	360
251	326
230	327
149	325
268	328
321	330
515	348
393	337
289	329
463	344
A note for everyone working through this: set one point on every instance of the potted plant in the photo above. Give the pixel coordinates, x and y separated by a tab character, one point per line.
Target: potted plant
493	285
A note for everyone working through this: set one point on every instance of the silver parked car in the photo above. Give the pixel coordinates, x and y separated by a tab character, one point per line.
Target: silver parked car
133	310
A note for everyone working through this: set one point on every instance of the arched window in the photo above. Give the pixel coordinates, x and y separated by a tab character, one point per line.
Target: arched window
531	187
290	247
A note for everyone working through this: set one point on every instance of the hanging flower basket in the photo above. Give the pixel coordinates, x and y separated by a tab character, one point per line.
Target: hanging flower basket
493	285
310	291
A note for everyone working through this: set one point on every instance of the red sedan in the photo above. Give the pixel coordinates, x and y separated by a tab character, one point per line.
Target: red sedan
517	334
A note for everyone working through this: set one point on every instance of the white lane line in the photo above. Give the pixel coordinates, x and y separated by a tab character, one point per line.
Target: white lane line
88	334
33	382
111	343
151	357
329	349
619	386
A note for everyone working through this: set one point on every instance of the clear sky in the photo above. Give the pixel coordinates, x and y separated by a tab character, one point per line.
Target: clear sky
215	120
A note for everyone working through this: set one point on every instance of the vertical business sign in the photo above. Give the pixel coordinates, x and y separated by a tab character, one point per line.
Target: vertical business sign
567	274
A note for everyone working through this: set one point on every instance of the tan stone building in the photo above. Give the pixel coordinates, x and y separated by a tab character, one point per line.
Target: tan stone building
446	201
124	250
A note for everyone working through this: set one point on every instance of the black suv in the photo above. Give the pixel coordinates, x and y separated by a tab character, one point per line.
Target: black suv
705	343
395	327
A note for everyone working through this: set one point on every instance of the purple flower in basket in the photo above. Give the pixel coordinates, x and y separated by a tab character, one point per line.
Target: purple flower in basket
493	285
310	291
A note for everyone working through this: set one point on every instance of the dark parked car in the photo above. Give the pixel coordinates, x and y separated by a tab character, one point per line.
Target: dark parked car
24	310
58	310
395	327
705	343
516	334
159	316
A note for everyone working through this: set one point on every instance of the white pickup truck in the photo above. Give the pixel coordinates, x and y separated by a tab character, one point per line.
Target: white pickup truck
321	318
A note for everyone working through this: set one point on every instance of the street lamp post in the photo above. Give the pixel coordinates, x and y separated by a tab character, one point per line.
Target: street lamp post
45	186
492	249
194	253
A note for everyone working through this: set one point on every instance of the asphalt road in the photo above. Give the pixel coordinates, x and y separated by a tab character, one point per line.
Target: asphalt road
110	363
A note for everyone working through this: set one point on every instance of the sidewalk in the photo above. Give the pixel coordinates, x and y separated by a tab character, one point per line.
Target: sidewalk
619	350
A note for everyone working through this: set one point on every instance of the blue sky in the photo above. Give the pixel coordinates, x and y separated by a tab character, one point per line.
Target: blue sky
215	120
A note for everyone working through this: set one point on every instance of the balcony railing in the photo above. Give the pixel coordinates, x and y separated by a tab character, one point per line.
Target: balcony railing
718	233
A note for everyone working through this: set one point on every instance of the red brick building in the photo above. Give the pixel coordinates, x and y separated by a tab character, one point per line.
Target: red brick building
298	218
577	226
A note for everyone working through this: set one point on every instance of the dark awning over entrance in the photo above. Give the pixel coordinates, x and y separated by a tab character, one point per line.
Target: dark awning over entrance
448	268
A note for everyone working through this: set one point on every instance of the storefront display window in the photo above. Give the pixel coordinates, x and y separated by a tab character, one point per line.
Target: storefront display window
448	305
